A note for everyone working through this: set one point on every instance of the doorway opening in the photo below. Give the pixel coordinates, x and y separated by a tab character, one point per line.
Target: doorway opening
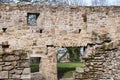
69	58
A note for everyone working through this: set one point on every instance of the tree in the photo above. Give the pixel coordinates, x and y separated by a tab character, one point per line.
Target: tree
103	2
25	0
74	53
6	1
99	2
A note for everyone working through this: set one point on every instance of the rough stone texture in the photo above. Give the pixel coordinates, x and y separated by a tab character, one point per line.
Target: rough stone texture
79	70
26	71
36	76
11	58
12	67
67	26
51	62
101	61
4	74
60	27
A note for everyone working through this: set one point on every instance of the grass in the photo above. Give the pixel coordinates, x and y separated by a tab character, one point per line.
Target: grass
34	67
65	70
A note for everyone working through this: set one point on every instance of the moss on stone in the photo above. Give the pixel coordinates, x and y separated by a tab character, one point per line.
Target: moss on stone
104	47
23	54
4	54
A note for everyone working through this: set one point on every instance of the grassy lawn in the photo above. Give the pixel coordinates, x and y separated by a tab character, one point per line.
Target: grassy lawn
34	67
65	70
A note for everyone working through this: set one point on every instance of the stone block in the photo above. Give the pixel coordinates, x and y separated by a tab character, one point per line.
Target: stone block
7	68
16	76
3	74
79	70
2	63
12	71
23	64
11	58
25	76
7	63
0	59
14	63
18	72
0	68
26	71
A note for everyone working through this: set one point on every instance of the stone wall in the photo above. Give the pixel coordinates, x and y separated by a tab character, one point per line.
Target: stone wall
60	25
48	66
14	65
103	63
56	23
101	60
57	26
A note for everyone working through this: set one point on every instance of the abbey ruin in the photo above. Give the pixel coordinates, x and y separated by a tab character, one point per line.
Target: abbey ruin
96	28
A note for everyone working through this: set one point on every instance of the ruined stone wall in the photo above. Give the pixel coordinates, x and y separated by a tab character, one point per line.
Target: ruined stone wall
104	21
56	26
14	65
102	61
102	55
60	26
48	66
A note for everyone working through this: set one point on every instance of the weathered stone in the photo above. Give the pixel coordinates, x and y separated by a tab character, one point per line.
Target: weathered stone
25	77
80	70
93	27
26	71
12	72
36	75
18	72
4	74
14	63
17	53
1	63
0	60
7	68
16	76
102	66
23	64
11	58
0	68
7	63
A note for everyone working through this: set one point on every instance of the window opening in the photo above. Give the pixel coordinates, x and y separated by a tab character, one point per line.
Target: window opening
32	18
34	64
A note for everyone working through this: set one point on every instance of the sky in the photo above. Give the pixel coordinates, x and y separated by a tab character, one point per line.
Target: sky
85	2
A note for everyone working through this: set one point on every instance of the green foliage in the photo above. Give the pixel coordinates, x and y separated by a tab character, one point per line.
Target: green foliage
70	65
61	57
74	53
34	64
94	33
34	67
23	54
4	54
65	70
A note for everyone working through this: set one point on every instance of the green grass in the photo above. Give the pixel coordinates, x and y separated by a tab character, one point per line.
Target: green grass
65	70
34	67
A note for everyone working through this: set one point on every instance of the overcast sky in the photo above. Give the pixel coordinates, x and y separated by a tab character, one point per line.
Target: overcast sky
87	2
